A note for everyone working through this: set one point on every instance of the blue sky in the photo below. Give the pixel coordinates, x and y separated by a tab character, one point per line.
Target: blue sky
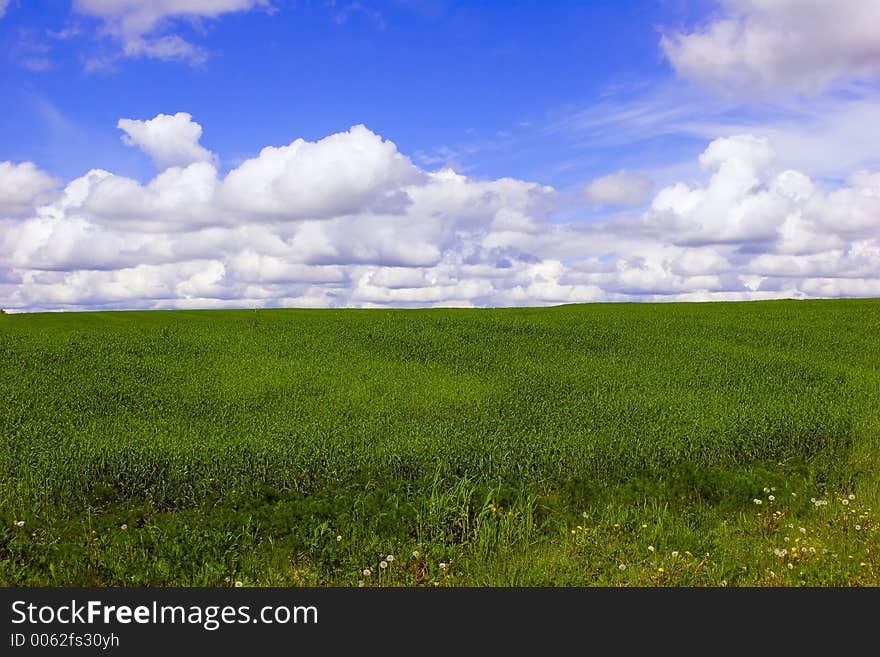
519	153
481	80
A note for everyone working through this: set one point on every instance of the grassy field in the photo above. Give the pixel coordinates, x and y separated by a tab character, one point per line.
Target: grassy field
671	444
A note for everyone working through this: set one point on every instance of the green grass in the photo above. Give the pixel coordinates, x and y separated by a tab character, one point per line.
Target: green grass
515	447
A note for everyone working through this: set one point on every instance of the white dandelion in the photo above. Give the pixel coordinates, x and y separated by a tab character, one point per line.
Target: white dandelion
757	501
383	564
367	572
19	523
238	584
622	566
389	558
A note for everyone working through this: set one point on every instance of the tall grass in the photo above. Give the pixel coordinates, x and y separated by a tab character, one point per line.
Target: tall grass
240	445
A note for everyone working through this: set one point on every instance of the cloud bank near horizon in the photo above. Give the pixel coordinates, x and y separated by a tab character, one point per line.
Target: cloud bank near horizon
350	221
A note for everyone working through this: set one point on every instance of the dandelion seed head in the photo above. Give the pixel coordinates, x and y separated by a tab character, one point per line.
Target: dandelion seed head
757	501
622	566
675	553
338	538
850	497
367	572
416	554
844	501
772	498
238	584
19	523
441	566
389	558
383	564
650	548
123	526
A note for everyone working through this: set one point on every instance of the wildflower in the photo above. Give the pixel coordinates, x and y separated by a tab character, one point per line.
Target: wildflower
757	501
772	498
19	523
650	548
858	528
123	526
383	564
644	526
367	572
622	566
766	490
585	514
793	494
802	530
573	531
441	566
674	553
850	497
616	525
790	566
238	584
844	501
661	570
389	558
338	538
863	564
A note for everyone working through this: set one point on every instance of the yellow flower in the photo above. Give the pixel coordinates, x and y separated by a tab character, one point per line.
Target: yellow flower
660	570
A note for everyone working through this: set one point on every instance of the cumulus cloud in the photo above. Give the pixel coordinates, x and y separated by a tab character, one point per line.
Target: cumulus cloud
340	174
140	26
169	139
621	188
348	220
22	186
759	47
4	4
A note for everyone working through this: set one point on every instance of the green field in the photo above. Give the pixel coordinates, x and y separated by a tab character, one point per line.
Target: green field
606	444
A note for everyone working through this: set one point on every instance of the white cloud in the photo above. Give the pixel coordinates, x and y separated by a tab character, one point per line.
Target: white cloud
169	140
138	25
23	186
344	173
621	188
3	6
349	221
760	47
